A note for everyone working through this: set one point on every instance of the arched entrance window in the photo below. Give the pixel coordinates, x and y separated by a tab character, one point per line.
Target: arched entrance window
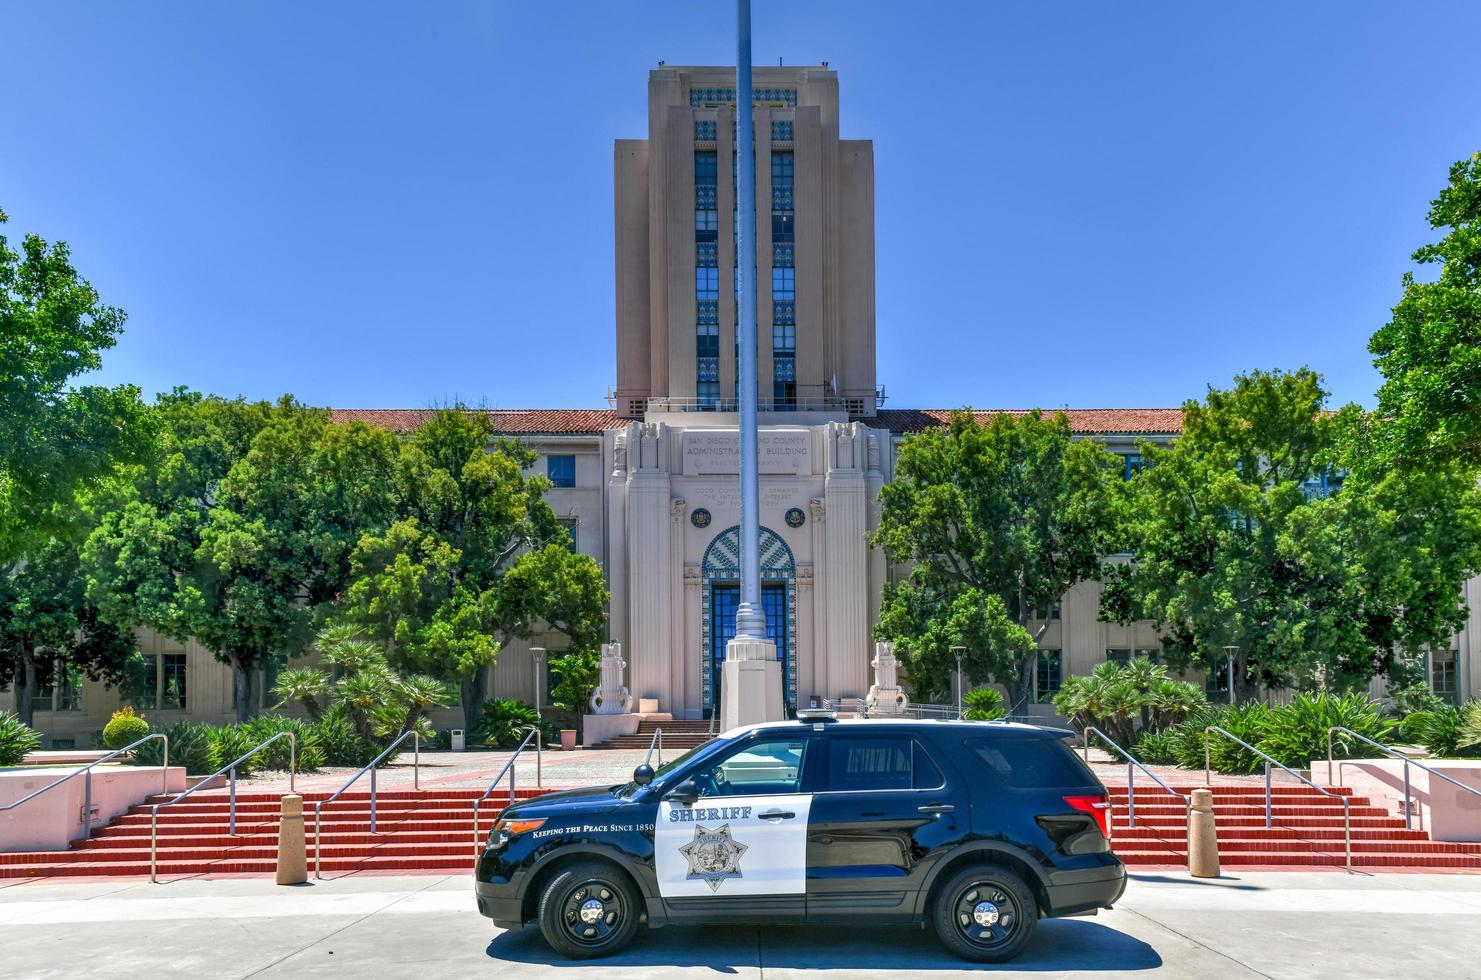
721	572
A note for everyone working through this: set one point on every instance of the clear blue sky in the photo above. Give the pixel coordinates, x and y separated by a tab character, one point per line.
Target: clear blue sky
1091	204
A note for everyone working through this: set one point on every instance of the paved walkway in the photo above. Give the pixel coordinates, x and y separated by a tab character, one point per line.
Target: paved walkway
1290	925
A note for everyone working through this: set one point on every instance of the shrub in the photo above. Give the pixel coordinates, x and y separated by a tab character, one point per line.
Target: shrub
1409	698
504	722
191	746
1437	730
1296	733
340	742
278	755
16	739
1155	749
124	728
983	704
232	742
1469	743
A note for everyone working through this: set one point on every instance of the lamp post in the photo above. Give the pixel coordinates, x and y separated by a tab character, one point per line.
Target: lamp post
959	652
1229	654
537	654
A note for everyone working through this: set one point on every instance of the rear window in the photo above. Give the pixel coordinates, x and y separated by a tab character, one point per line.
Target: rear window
880	763
1032	763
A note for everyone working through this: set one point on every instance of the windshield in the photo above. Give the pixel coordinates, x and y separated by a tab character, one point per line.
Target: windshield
669	767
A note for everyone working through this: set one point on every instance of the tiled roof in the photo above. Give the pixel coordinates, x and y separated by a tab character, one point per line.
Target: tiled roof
511	420
1083	421
539	421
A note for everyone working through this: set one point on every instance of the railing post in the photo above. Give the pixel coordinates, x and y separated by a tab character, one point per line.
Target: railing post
1329	755
1408	804
153	838
318	836
1207	779
416	760
1267	795
292	763
231	817
1347	830
372	800
164	770
87	805
539	759
1131	793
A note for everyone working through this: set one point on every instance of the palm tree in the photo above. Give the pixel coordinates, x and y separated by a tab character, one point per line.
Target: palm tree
308	686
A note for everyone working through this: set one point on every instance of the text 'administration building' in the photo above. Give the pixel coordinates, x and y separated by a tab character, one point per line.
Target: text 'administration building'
649	486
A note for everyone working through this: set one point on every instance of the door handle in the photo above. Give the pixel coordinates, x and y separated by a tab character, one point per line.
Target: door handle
936	809
777	815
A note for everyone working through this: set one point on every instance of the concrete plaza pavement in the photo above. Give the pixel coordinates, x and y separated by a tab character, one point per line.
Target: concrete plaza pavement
1267	924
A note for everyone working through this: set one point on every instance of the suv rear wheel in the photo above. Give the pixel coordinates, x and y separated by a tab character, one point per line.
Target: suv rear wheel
985	914
588	910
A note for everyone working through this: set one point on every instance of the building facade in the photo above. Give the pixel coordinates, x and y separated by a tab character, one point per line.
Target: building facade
649	486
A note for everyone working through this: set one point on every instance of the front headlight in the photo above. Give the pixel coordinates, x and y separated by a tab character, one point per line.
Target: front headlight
508	828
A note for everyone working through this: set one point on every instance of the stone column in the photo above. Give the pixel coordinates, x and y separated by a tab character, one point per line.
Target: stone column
847	579
649	579
885	697
817	521
678	648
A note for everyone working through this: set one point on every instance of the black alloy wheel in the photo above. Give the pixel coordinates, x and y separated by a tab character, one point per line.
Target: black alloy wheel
588	910
986	914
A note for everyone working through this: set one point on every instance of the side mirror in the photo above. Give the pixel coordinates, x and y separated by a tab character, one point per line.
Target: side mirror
685	793
643	775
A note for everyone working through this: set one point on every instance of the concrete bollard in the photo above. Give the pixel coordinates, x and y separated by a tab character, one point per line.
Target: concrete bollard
1203	838
293	861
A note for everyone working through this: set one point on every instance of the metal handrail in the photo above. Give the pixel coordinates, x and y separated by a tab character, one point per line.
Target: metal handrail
416	783
657	740
1269	761
1131	761
87	784
508	768
231	768
1387	750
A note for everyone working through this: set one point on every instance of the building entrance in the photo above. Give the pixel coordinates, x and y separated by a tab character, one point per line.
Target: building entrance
724	599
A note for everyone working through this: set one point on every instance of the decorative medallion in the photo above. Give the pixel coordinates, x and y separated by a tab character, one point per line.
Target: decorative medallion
713	856
795	517
699	517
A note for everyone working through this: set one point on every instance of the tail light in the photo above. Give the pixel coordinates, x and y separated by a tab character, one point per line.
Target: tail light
1099	807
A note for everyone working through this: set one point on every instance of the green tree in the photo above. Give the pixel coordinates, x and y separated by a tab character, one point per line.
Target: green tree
476	558
1238	542
58	440
1429	408
48	625
242	532
998	519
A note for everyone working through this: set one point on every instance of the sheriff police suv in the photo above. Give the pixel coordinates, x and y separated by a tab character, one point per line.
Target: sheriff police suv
978	828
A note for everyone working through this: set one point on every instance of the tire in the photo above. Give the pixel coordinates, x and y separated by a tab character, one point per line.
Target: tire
589	910
985	914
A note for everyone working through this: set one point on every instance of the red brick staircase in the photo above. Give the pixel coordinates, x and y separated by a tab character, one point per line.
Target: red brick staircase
418	831
678	736
1306	831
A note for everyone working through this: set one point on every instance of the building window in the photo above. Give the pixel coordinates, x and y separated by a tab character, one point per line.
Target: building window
561	470
63	693
1133	465
1047	676
1324	484
1125	656
570	524
1443	675
784	284
1051	611
164	679
1216	680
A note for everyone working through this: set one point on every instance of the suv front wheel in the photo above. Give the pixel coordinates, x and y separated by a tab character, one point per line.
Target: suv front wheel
985	914
588	910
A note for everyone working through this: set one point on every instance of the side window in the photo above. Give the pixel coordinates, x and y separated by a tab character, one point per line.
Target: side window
762	768
1032	763
897	762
